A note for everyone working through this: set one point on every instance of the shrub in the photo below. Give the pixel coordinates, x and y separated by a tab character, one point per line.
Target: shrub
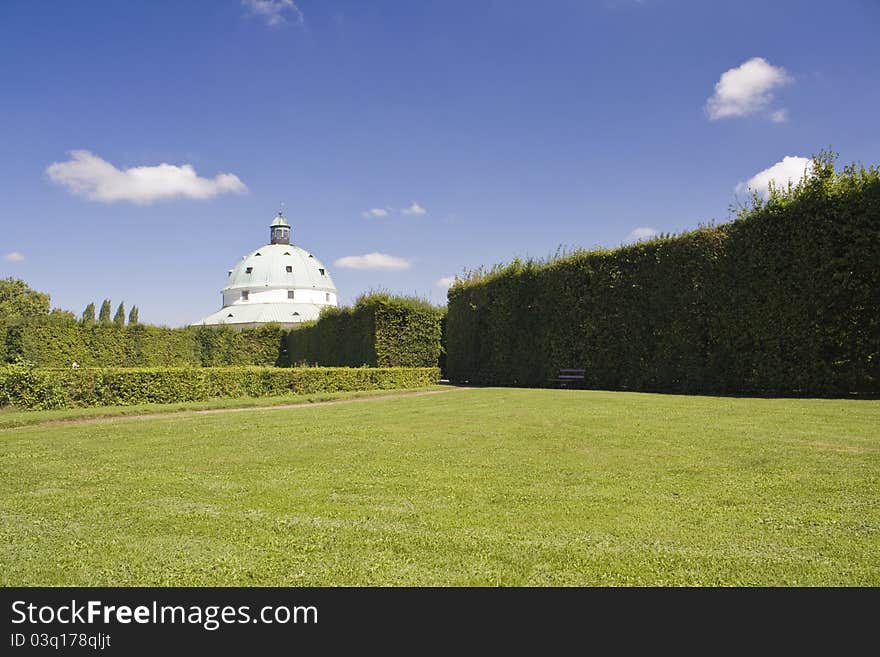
43	388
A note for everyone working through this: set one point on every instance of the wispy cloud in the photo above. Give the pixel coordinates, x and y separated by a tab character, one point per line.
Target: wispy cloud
788	169
747	89
445	282
779	116
381	261
89	176
642	233
375	212
14	256
275	12
415	208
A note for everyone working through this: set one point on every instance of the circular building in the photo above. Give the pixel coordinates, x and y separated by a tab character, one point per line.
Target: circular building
280	283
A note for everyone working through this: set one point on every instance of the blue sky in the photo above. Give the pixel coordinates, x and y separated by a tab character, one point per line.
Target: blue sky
516	126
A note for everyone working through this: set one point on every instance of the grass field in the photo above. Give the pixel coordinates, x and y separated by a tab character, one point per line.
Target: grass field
473	486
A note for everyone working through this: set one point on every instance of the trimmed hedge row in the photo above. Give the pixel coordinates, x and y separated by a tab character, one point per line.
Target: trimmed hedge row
223	346
56	388
54	345
783	300
379	331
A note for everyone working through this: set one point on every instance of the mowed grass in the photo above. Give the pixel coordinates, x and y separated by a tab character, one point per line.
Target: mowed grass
468	487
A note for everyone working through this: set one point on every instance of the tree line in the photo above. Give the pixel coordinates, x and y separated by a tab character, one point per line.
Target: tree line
88	315
19	303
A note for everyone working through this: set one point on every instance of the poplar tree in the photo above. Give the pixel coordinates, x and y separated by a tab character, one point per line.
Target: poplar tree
133	316
88	315
119	317
104	315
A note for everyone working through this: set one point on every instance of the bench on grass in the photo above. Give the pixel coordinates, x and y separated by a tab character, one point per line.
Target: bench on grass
568	376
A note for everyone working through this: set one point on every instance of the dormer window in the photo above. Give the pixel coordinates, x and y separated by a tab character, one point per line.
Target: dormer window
288	269
322	272
248	270
258	253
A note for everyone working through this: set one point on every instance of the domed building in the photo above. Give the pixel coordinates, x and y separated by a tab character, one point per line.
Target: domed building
280	282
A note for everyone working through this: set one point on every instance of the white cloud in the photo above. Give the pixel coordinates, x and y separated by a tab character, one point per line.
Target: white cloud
415	208
779	116
642	233
276	12
746	89
88	175
447	281
373	261
14	256
375	212
791	168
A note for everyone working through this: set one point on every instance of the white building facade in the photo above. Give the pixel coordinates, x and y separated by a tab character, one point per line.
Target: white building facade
278	283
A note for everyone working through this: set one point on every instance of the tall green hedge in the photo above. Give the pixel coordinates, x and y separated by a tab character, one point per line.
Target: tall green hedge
378	331
783	300
221	346
41	388
59	345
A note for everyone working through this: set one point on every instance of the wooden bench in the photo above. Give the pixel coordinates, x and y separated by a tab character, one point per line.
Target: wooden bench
568	376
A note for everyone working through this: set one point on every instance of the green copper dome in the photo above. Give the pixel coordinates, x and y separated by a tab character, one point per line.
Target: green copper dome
280	266
279	282
279	221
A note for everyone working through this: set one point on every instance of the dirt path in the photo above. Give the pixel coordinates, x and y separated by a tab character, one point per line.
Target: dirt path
244	409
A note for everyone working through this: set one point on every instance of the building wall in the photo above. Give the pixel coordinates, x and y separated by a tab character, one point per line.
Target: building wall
249	325
264	295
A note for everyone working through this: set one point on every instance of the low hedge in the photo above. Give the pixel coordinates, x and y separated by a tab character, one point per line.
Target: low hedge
45	388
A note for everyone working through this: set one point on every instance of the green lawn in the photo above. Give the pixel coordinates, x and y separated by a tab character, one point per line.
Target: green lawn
475	486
